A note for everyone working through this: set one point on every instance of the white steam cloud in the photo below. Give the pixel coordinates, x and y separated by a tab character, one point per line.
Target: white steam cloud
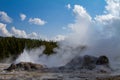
61	56
28	56
100	35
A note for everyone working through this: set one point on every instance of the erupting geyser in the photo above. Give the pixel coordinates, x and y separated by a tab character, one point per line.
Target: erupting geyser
99	36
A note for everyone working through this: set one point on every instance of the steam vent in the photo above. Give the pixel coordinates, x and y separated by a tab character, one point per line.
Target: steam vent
77	63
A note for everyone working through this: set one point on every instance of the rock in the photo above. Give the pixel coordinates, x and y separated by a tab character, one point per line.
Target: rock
75	63
86	62
102	60
24	66
12	66
89	62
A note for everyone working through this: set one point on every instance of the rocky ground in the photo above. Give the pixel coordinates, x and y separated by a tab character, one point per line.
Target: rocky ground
79	68
55	75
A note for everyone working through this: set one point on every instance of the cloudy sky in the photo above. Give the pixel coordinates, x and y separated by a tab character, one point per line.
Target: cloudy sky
54	19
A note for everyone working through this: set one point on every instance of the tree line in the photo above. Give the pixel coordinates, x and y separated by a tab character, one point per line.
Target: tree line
12	46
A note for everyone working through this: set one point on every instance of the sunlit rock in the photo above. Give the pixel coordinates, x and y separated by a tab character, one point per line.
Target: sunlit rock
24	66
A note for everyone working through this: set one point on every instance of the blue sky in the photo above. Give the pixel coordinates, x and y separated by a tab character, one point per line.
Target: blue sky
54	12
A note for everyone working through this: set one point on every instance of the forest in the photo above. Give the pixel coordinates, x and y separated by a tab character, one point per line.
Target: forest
12	46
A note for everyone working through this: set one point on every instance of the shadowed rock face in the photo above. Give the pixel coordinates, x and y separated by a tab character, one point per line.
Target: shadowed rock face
87	62
24	66
102	60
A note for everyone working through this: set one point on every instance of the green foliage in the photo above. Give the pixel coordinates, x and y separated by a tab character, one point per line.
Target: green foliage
11	46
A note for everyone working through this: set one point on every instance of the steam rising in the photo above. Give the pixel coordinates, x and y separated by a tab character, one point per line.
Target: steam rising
100	35
62	56
30	56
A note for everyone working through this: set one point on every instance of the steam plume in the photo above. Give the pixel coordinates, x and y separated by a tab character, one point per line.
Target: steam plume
100	35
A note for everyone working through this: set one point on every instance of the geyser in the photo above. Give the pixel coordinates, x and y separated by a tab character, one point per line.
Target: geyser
62	56
99	64
100	36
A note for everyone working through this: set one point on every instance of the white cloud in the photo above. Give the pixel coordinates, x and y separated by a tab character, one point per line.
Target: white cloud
4	17
81	13
33	35
82	21
18	33
23	17
113	7
113	12
36	21
68	6
110	22
104	19
3	31
22	34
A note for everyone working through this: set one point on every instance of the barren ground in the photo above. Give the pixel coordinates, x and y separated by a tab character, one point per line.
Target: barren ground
46	75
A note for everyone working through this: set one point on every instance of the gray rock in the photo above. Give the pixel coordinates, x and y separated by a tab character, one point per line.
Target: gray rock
102	60
86	62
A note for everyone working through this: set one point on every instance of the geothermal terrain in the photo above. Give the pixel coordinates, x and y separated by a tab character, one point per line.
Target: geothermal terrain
67	62
79	40
80	68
